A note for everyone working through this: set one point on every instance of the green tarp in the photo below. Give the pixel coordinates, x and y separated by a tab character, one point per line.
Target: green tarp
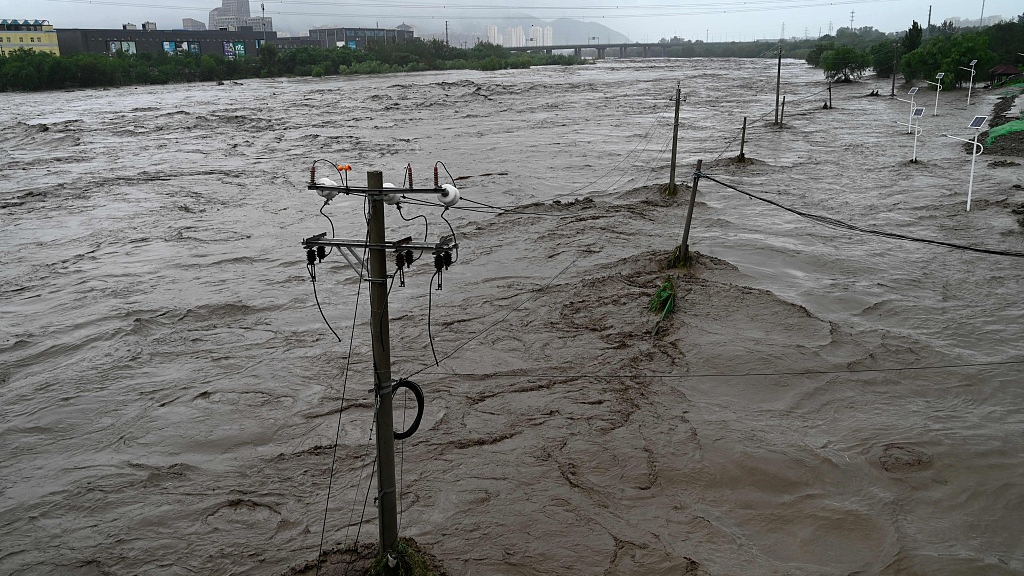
1008	128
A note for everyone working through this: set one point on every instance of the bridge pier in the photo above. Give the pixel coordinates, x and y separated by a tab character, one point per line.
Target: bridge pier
622	51
600	53
577	52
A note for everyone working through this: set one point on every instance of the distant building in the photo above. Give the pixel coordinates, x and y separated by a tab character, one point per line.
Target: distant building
35	35
492	35
235	14
514	37
228	43
192	24
958	22
149	26
549	36
357	38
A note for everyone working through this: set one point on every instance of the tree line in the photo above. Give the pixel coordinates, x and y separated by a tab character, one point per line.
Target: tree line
29	70
850	53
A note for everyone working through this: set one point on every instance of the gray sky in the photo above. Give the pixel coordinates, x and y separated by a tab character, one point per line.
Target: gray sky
640	20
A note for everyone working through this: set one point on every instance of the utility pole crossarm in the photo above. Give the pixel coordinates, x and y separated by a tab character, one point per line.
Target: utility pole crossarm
322	240
365	190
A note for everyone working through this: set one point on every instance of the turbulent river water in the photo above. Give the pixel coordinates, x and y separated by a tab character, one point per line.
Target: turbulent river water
820	402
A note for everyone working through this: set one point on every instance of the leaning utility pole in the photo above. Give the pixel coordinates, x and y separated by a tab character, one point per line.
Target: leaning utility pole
675	137
684	242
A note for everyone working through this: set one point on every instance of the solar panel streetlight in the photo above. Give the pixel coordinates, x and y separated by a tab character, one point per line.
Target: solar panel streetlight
938	88
977	123
912	92
971	85
918	113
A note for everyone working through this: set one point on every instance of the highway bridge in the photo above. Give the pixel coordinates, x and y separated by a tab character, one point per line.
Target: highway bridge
656	50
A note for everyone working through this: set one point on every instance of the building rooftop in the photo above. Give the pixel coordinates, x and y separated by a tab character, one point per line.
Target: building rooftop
25	22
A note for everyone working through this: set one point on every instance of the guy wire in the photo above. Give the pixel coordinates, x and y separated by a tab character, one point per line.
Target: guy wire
341	411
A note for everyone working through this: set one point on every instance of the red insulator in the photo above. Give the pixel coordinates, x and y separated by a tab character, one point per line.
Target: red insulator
436	184
410	176
312	175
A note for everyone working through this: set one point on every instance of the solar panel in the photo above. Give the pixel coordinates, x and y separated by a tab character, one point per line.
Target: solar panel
973	62
978	121
940	75
918	112
912	91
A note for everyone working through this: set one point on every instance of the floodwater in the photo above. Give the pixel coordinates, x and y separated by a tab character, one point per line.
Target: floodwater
821	402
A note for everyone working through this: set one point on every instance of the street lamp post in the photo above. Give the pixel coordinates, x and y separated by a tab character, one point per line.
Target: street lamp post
913	106
938	88
971	85
977	123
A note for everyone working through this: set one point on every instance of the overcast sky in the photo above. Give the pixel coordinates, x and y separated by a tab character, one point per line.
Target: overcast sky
640	20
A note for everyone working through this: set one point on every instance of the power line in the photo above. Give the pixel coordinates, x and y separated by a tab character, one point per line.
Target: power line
547	375
841	225
604	12
532	297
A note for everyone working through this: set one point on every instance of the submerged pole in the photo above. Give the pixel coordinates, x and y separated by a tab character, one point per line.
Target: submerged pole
684	246
675	136
743	139
778	85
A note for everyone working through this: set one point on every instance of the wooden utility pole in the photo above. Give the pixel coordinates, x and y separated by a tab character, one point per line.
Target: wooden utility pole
778	86
895	62
684	246
782	117
675	137
381	341
743	140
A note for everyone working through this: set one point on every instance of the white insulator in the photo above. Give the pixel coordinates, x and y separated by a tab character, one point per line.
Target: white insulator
327	194
391	199
449	196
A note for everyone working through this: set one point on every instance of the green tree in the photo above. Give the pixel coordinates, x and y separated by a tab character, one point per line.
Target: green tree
814	56
883	56
912	39
844	64
947	54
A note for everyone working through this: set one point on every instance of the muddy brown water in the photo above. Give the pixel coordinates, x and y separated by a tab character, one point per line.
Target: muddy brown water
169	393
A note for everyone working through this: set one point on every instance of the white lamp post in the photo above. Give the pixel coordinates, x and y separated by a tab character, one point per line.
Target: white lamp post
913	106
971	85
977	123
938	88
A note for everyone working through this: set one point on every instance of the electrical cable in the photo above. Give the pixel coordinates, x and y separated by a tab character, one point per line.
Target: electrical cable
312	275
654	125
426	226
344	389
430	334
455	240
545	375
417	393
839	224
326	202
533	296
